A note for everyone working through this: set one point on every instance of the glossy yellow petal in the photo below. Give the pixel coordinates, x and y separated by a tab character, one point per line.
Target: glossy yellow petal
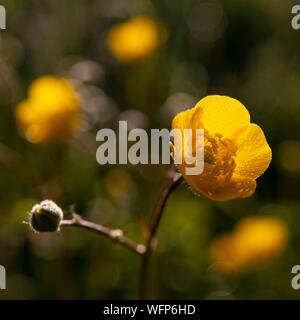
183	119
235	151
253	154
236	187
220	114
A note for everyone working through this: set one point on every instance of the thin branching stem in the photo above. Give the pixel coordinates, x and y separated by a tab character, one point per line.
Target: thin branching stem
116	235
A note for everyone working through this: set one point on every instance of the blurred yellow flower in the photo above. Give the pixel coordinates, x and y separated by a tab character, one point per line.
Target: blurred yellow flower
135	38
51	112
235	151
254	240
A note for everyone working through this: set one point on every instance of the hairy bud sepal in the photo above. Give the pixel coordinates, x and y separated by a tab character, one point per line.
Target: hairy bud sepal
45	217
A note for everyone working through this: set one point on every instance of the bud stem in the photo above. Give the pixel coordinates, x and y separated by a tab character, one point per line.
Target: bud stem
113	234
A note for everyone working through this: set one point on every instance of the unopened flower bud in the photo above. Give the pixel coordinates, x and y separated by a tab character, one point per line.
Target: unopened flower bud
45	217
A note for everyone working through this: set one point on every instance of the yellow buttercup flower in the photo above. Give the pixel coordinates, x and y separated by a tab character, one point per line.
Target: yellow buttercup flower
236	152
135	38
51	112
255	240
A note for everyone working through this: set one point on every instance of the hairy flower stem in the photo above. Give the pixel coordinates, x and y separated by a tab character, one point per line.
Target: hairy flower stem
113	234
173	183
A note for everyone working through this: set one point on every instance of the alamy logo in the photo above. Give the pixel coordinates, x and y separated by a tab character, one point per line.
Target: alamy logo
187	147
2	17
296	279
296	19
2	278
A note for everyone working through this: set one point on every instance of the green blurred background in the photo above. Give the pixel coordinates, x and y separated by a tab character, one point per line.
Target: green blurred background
244	49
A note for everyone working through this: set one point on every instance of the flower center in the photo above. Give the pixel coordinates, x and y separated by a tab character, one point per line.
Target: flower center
219	153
